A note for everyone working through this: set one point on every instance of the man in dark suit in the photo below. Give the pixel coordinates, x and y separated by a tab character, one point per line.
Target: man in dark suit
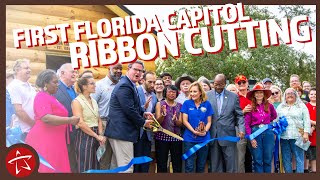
126	117
227	116
65	95
148	101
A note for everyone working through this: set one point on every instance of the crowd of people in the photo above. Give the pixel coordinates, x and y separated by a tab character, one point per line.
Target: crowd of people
68	116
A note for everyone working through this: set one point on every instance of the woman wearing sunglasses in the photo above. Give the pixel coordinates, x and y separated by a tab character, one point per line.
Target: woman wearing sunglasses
276	96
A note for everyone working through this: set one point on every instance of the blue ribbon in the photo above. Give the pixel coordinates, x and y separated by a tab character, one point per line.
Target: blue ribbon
137	160
279	128
13	136
44	162
258	132
196	147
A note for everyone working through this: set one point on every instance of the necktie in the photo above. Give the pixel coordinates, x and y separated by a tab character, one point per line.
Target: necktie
219	103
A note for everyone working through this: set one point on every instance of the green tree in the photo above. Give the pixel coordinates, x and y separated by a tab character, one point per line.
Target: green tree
275	62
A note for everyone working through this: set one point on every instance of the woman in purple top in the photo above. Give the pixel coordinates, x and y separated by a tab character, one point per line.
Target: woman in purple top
168	115
263	113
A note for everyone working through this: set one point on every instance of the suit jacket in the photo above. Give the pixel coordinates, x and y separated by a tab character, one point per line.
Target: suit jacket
153	101
231	116
64	98
125	113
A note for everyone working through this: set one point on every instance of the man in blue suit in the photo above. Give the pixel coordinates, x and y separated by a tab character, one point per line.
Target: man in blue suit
65	95
148	101
126	117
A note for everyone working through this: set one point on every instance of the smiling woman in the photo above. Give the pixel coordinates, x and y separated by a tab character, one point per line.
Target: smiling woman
48	135
263	113
299	127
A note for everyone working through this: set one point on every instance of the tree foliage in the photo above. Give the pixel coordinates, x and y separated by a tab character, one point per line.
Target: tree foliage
275	62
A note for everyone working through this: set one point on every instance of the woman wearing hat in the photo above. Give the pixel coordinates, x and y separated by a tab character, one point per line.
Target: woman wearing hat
262	114
183	83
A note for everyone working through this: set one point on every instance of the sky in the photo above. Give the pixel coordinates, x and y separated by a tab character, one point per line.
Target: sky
159	10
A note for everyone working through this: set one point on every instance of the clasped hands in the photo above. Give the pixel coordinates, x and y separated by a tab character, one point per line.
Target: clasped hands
200	130
102	139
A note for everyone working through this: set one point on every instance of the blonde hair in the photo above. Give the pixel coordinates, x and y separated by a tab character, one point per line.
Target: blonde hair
232	86
203	95
277	88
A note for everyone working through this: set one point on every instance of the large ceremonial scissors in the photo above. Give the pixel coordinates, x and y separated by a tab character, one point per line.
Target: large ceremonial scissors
156	127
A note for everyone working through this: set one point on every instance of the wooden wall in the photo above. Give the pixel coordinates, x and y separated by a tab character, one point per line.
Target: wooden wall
26	16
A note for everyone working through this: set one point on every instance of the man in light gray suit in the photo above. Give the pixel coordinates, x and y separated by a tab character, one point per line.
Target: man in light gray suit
227	116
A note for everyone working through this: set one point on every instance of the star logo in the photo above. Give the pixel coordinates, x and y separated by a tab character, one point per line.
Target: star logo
21	160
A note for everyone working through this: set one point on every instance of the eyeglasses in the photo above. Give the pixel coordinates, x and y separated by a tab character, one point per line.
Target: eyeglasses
138	70
274	93
241	82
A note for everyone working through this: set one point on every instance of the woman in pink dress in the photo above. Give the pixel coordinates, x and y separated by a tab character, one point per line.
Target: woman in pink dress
48	135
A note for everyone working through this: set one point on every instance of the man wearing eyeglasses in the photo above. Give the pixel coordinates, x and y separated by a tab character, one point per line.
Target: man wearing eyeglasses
244	155
295	82
126	117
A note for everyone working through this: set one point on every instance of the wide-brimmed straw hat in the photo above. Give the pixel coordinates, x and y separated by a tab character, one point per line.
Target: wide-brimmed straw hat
182	78
259	87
